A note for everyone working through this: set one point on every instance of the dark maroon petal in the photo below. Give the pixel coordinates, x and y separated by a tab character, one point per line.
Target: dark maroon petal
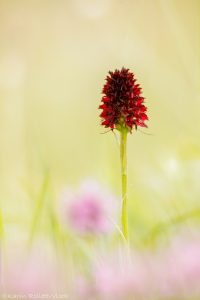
122	101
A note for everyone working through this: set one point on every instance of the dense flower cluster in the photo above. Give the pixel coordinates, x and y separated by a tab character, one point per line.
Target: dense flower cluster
122	102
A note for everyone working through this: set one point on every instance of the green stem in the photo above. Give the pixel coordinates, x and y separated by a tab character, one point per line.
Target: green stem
123	158
40	202
1	226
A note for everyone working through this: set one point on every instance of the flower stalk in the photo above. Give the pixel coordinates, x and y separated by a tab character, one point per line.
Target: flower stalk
123	160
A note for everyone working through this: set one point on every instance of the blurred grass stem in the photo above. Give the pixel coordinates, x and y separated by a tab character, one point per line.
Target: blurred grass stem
39	208
1	226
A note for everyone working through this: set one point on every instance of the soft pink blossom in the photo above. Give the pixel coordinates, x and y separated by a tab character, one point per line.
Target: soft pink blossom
123	276
178	269
36	272
91	210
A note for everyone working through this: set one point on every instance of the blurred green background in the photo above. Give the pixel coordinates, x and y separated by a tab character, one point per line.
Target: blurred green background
54	56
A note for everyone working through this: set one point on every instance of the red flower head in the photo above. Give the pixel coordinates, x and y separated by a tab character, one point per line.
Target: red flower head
122	103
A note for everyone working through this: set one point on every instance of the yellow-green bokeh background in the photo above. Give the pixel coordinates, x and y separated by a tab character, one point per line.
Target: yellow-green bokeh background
54	56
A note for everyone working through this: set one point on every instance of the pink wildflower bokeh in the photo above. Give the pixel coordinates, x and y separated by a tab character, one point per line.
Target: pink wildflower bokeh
90	210
36	272
178	269
172	272
121	275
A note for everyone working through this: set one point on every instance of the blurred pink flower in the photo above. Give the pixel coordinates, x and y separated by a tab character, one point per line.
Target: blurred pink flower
179	269
122	276
37	272
173	272
91	210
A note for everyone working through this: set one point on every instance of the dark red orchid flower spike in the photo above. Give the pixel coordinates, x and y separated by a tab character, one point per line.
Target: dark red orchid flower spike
122	102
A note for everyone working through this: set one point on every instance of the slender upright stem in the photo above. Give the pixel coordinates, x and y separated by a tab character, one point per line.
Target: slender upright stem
123	158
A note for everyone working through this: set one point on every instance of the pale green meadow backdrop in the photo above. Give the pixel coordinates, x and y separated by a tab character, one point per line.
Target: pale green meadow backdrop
54	57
